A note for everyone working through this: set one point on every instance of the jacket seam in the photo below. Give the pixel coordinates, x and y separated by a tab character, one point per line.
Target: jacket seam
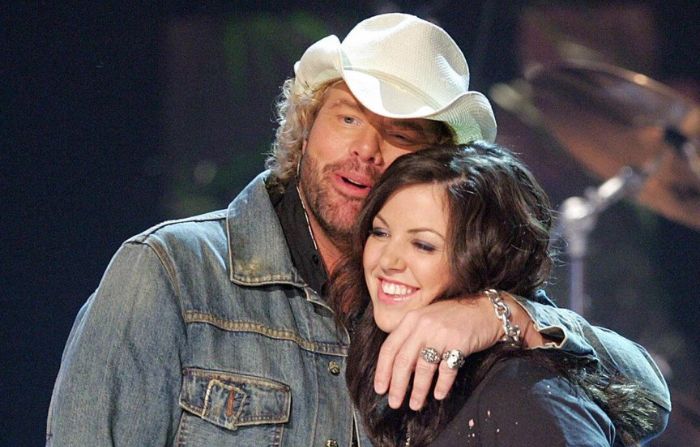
258	328
208	217
167	265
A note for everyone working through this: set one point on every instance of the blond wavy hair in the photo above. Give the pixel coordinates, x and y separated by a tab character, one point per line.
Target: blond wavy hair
296	112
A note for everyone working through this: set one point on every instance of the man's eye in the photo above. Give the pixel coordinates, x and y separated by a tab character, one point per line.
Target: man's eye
406	139
349	120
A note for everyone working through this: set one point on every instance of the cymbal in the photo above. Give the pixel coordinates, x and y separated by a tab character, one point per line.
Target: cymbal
608	117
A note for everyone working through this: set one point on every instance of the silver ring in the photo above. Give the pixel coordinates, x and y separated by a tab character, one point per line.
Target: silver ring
430	355
454	358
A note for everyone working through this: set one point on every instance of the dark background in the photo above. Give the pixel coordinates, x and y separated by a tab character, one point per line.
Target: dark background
117	116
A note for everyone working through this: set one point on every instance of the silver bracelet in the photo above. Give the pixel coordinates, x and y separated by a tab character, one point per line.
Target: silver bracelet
512	331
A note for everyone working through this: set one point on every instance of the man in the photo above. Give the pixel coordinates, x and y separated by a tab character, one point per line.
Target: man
213	330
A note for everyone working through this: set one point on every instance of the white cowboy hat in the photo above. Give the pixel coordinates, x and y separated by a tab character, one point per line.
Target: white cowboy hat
401	66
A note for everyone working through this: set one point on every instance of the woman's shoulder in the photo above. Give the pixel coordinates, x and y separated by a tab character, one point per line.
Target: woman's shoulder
522	402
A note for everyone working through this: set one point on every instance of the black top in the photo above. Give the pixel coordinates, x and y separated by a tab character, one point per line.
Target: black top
521	402
305	257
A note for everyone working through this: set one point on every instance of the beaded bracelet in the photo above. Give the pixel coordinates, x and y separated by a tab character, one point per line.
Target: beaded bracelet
512	331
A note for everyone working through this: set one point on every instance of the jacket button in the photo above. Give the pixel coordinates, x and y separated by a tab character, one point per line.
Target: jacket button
331	443
333	368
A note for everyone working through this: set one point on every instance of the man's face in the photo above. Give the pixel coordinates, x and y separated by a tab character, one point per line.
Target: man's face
347	149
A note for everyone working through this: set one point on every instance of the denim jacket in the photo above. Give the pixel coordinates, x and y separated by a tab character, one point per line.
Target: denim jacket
202	333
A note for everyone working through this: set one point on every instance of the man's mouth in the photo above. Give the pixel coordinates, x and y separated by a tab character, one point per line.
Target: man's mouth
354	183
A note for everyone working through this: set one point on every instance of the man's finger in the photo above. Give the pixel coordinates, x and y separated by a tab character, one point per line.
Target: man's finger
404	362
446	378
422	380
387	354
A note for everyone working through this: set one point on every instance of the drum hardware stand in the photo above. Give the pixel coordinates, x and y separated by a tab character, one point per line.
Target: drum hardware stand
578	215
685	148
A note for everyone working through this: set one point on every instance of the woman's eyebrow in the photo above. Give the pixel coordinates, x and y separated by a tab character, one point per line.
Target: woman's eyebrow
378	216
430	230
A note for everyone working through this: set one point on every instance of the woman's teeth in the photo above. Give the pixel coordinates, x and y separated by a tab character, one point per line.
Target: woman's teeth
391	288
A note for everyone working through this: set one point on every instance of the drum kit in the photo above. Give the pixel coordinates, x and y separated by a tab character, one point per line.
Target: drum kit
638	136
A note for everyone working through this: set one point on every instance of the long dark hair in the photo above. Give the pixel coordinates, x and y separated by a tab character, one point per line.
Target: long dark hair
499	220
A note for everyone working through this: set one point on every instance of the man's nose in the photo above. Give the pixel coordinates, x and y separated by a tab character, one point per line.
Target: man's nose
368	147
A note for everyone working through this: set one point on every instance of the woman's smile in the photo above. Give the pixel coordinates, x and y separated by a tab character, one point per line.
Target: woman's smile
391	292
405	258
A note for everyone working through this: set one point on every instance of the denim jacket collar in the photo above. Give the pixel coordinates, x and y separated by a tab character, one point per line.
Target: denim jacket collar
257	249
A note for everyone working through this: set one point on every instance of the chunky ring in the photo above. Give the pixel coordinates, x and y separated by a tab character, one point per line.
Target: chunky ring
430	355
454	358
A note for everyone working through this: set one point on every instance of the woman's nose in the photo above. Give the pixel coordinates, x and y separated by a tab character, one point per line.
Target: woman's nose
392	258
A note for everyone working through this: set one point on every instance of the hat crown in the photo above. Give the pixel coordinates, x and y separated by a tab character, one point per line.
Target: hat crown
409	51
401	66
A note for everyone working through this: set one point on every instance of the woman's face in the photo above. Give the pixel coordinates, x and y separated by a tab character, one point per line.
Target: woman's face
405	258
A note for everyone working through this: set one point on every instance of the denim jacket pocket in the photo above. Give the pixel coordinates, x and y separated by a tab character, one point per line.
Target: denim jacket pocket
231	400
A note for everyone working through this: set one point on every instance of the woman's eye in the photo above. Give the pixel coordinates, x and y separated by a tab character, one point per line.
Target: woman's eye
424	246
378	232
349	120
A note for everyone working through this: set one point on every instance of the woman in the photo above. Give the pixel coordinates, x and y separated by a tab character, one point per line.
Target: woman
440	224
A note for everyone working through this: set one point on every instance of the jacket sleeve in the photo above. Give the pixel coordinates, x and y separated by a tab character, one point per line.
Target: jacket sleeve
523	403
573	334
120	377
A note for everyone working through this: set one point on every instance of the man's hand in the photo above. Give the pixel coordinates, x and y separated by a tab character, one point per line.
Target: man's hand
468	324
